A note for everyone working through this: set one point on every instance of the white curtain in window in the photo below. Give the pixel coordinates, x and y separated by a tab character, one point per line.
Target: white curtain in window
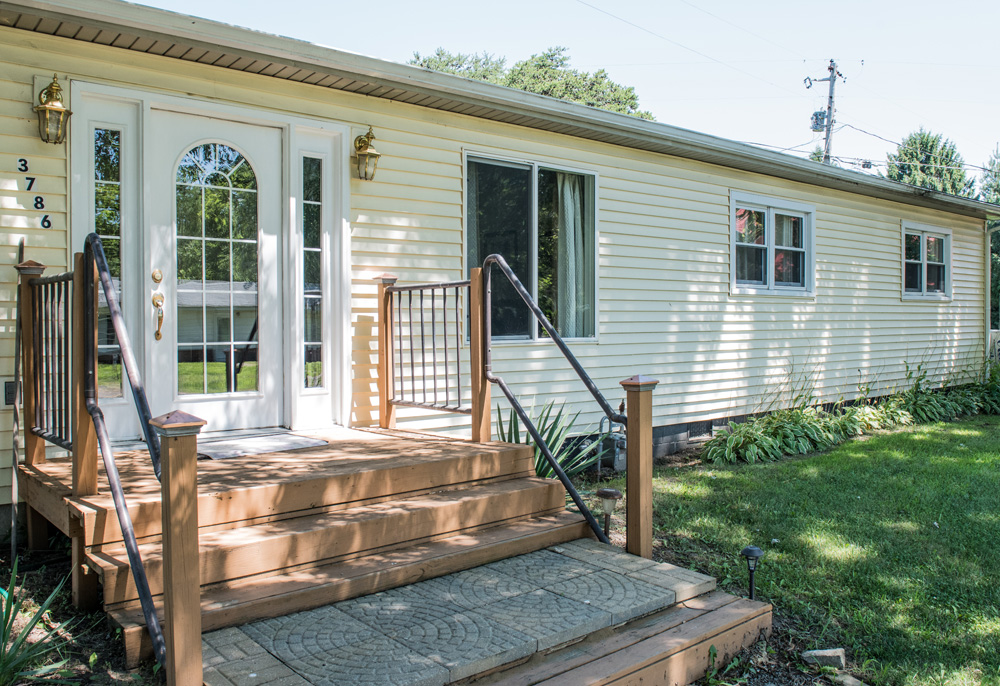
573	297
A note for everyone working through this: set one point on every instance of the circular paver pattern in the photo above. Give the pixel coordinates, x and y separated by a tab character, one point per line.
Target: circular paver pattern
542	568
472	588
623	597
550	618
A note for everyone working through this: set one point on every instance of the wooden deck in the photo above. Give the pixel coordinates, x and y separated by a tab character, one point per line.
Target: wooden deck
286	531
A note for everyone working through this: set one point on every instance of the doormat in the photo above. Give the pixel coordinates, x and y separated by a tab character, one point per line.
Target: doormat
256	445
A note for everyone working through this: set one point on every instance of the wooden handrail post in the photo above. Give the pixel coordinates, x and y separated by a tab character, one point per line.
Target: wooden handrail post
386	382
481	429
181	567
84	433
34	447
639	465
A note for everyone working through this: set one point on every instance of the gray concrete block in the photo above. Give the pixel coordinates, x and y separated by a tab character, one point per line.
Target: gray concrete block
542	567
622	596
550	618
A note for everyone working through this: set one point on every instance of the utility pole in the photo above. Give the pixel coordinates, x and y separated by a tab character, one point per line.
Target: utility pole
828	115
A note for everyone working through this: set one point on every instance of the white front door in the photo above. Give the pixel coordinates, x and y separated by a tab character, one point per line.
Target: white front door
214	194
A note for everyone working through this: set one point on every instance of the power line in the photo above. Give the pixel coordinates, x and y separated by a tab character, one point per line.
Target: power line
684	47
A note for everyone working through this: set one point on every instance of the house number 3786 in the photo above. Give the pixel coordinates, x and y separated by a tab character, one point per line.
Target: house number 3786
38	202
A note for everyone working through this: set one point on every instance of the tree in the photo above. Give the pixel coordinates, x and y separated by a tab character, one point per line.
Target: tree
990	192
547	73
930	160
484	67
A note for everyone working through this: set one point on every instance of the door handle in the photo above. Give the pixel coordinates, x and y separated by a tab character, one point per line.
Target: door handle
158	304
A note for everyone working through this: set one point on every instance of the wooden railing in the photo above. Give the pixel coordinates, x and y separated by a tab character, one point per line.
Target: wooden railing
403	345
60	406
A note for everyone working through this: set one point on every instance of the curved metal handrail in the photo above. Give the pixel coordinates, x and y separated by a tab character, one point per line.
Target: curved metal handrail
94	258
570	357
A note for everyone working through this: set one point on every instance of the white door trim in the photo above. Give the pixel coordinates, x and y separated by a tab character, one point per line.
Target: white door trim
336	265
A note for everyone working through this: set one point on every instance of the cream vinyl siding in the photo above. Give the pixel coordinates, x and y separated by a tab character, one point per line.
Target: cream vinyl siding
664	307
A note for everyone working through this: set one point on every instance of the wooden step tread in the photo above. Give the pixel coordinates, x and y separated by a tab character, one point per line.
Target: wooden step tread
252	599
291	482
668	647
265	548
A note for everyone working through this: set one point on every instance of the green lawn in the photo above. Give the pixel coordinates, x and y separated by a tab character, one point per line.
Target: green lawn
889	547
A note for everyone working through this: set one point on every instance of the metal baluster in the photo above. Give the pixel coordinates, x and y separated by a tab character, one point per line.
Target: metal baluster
37	344
67	353
58	354
458	345
447	374
413	372
434	366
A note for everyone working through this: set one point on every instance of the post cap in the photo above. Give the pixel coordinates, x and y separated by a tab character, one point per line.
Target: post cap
639	382
387	278
177	423
30	268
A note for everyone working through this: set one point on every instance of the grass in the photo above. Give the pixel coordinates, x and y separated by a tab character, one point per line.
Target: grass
190	378
889	547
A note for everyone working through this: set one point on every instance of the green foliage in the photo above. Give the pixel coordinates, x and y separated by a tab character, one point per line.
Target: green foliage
801	430
481	67
547	73
19	658
930	160
554	426
804	429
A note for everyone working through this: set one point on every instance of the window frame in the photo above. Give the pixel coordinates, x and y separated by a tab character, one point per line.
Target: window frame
771	206
925	230
535	166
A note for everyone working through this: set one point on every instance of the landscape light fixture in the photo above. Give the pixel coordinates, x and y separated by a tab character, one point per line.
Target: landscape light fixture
753	554
609	501
367	155
53	115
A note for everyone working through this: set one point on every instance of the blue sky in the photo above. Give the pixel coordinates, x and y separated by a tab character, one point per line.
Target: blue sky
730	68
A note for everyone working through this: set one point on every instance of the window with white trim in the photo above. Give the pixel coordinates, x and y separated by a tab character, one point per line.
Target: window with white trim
772	246
926	261
541	219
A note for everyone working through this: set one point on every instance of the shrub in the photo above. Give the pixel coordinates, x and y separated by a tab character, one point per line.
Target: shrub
802	430
554	426
19	658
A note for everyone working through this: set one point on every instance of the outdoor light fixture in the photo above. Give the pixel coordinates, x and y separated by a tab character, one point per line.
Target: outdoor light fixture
53	115
367	155
753	554
609	501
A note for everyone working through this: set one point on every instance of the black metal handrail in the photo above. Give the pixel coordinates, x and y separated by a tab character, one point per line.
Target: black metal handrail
570	357
94	258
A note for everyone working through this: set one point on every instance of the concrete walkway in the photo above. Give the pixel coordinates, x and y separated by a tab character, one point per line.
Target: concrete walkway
448	628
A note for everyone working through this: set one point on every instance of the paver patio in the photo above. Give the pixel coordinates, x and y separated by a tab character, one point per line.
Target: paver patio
451	627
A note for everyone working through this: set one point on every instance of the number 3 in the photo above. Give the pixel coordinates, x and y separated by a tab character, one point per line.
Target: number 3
22	165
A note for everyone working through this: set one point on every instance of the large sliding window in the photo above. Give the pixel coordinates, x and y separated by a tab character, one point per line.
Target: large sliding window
542	221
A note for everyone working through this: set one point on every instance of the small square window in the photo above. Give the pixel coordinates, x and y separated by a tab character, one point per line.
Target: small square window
926	258
772	246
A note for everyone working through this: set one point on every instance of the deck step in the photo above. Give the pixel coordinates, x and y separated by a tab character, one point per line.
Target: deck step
247	490
250	599
667	648
231	554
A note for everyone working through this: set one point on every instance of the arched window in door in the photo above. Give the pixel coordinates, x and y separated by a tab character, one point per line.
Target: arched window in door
217	258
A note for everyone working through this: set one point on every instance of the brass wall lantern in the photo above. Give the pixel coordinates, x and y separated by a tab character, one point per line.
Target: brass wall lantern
53	115
367	155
